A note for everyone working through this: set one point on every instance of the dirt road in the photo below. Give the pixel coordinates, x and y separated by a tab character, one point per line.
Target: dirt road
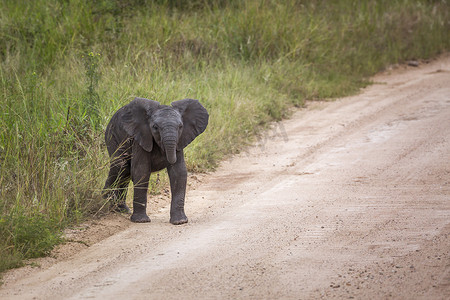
348	199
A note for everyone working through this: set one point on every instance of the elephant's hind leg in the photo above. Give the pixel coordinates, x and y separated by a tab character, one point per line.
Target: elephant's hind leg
116	184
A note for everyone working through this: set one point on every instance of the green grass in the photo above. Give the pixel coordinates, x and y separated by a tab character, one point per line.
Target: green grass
67	66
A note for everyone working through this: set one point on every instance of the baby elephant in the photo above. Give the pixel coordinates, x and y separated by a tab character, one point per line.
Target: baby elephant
143	137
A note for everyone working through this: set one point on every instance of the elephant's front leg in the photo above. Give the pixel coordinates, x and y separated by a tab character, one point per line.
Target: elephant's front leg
178	178
140	174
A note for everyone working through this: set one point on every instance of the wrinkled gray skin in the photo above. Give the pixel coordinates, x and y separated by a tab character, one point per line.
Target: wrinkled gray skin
143	137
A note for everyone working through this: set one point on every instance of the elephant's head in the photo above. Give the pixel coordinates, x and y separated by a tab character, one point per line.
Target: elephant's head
171	127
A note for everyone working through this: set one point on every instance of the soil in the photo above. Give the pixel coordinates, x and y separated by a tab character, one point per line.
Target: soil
347	199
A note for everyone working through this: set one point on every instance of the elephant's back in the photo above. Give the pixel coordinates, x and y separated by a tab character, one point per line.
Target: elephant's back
115	134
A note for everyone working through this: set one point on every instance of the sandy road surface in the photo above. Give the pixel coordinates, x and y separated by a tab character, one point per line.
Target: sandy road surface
349	199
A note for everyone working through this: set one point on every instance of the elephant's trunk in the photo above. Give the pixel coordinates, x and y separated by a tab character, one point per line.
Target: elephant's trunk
170	146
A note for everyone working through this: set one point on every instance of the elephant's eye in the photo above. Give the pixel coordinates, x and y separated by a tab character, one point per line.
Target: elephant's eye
155	127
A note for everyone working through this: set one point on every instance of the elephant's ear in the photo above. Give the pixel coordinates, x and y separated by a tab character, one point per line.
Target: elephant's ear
135	119
195	119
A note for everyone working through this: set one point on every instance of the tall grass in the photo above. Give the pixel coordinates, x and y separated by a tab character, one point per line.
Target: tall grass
66	66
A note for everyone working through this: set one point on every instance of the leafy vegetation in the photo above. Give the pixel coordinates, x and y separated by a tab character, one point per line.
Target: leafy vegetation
66	66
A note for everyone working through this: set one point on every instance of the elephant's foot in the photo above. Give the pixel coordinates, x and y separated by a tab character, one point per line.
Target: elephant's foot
140	218
178	218
122	208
